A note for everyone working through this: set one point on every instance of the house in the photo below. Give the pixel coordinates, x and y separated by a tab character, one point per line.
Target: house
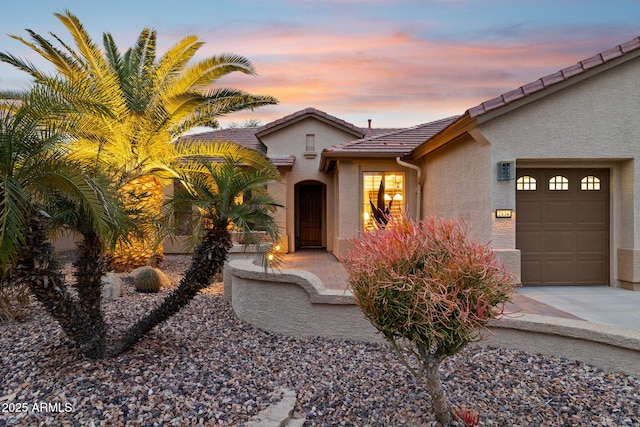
546	173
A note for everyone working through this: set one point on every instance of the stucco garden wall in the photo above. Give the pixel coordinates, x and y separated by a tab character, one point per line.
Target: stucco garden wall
296	303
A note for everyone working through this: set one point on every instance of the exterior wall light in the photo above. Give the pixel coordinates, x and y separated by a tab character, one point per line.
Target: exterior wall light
504	213
506	171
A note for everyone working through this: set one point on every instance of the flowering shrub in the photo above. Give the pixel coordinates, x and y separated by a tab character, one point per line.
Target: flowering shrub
429	290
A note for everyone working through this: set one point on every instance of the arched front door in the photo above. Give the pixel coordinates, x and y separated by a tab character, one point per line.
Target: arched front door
310	206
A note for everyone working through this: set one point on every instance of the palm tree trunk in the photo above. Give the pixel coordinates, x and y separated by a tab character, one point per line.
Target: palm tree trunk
208	260
90	267
143	197
38	268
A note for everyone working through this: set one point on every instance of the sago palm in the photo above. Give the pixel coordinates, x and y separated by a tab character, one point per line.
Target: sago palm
34	170
226	195
150	102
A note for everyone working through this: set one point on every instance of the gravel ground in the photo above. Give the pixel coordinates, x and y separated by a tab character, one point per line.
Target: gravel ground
205	367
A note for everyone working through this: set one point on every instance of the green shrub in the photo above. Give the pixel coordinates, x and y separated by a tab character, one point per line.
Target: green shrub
429	290
150	279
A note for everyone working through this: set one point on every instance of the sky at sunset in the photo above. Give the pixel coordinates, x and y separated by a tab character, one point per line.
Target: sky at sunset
399	63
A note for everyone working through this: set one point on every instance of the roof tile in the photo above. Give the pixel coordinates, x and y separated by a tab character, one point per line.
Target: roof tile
242	136
283	161
612	53
572	70
631	45
494	103
513	95
397	142
594	61
555	78
552	79
533	87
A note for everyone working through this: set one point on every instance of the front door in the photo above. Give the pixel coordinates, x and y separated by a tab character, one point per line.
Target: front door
310	208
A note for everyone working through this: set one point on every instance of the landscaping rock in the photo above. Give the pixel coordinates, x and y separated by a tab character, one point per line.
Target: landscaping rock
112	286
204	367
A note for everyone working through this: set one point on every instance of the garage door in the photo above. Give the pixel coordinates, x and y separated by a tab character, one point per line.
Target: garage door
562	226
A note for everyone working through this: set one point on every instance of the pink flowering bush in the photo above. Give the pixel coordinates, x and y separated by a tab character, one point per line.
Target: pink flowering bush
429	290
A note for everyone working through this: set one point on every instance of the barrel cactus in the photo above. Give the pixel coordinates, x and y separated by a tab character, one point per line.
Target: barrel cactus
150	279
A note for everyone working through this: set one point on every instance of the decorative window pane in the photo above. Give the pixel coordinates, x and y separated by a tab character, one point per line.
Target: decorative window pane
526	183
393	195
590	183
558	183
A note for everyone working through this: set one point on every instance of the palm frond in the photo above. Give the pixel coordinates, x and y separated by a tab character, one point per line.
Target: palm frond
60	176
176	57
192	153
67	65
112	54
22	65
87	47
13	200
207	71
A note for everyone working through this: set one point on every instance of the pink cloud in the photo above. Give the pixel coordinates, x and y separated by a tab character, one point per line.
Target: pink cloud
377	73
365	69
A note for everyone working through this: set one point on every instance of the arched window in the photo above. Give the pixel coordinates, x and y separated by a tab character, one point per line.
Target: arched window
526	183
590	183
558	183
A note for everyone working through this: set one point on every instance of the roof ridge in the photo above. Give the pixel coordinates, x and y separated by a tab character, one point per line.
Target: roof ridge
309	111
555	78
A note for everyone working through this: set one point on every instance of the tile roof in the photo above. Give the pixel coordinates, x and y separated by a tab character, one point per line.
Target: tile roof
283	162
302	114
555	78
242	136
396	142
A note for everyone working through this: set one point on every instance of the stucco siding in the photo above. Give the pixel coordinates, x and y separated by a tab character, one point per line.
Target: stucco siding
350	197
596	118
457	184
590	124
292	140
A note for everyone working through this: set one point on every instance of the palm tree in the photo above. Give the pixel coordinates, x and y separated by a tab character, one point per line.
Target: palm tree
41	188
35	170
150	102
227	195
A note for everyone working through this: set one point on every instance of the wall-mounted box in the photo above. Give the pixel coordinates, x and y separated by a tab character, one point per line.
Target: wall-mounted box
506	171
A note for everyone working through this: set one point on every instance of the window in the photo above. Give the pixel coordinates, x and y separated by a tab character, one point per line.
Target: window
526	183
590	183
310	143
558	183
393	195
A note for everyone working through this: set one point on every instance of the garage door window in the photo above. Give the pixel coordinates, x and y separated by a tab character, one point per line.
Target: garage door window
526	183
590	183
558	183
